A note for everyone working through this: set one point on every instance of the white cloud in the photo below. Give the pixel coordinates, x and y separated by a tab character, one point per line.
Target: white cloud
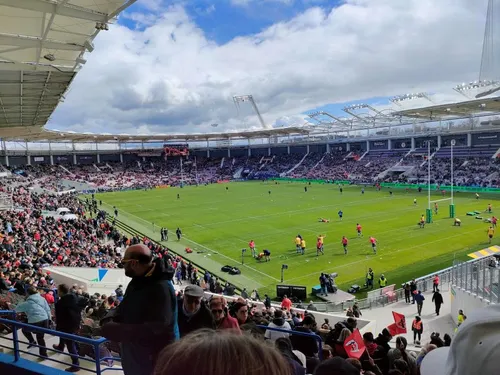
169	77
248	2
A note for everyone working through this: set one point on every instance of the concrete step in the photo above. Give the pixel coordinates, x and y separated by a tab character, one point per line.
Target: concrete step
6	340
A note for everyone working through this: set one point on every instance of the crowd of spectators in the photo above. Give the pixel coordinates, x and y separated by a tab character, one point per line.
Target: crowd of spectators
355	166
30	241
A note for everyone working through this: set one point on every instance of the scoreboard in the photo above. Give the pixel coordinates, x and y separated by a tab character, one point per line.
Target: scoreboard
173	149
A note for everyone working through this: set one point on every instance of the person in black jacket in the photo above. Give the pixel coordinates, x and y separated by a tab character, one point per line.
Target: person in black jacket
437	298
146	319
68	318
193	312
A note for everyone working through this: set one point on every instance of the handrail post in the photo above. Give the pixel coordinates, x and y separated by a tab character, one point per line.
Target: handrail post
97	359
15	338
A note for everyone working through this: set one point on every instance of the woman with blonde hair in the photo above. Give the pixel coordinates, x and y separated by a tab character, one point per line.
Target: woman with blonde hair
207	352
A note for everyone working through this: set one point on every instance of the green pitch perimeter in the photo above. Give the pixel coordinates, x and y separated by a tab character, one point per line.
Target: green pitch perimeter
220	222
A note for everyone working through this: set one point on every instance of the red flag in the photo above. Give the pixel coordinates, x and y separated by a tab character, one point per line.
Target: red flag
393	329
354	345
399	325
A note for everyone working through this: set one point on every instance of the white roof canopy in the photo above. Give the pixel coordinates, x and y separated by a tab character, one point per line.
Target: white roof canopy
42	43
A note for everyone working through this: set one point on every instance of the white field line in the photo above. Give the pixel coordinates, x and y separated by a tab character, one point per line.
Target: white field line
393	252
355	245
232	259
293	211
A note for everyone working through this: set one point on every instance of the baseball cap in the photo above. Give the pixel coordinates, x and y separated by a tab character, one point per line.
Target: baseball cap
193	291
475	349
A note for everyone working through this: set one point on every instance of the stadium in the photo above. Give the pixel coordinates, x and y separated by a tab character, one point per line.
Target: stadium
344	216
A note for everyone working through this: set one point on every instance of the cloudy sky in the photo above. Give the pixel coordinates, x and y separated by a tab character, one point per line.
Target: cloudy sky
174	66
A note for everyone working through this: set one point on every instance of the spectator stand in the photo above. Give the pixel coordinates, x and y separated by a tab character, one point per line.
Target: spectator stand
364	325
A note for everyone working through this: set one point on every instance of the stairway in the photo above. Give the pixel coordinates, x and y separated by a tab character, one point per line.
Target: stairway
294	167
318	163
362	156
96	167
495	155
66	170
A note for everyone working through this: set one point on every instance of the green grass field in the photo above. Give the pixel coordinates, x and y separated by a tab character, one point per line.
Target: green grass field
220	223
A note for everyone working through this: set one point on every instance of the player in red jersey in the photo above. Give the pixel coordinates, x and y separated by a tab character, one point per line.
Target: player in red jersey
251	245
345	241
359	230
373	241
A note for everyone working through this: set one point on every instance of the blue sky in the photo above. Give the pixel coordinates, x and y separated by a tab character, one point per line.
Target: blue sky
310	55
224	20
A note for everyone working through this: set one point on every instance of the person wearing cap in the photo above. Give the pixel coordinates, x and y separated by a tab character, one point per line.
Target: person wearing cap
193	312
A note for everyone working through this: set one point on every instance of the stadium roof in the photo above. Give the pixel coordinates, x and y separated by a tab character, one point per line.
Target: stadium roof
40	134
42	43
478	107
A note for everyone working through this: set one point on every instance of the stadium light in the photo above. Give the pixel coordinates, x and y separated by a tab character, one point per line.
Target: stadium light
398	99
101	26
486	87
355	107
314	114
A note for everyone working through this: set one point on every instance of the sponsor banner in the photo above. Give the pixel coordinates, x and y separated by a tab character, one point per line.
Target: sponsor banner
378	145
149	154
222	181
162	186
485	139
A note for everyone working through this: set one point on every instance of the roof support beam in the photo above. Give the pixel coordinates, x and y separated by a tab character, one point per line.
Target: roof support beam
66	10
30	42
21	97
35	118
122	8
4	112
31	66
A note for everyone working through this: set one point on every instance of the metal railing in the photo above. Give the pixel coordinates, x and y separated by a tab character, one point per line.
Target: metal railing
94	343
297	333
424	284
481	278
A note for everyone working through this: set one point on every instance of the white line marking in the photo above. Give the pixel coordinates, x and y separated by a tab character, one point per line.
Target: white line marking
392	252
231	259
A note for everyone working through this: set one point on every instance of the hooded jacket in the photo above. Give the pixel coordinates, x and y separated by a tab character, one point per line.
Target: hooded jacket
36	308
146	320
277	323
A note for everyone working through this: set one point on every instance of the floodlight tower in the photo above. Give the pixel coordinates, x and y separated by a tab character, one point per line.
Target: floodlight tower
351	108
339	120
400	100
489	73
237	99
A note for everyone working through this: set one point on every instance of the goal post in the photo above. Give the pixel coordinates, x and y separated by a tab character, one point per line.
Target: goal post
451	207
